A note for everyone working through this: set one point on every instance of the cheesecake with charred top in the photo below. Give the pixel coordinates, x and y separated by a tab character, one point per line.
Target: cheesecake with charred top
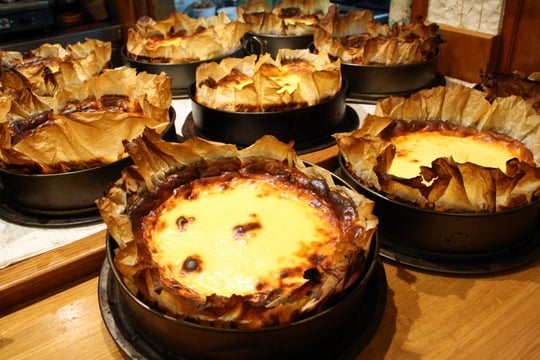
235	238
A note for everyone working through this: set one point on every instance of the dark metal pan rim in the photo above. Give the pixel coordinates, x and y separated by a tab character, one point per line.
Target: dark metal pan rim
350	122
126	336
62	174
487	263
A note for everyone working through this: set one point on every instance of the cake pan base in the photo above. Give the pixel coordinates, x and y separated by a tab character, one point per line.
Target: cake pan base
360	332
507	260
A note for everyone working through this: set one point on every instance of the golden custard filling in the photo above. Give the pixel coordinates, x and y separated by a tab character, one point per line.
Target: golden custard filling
414	150
241	238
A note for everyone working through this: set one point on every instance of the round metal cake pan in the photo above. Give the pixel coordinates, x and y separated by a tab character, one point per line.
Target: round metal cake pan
60	194
70	193
435	234
392	79
244	128
303	339
182	74
258	44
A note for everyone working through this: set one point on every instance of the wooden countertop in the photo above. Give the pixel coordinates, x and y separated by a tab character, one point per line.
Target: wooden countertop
427	315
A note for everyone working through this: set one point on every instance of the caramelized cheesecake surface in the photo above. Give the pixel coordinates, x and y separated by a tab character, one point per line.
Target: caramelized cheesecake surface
235	238
420	149
241	236
442	165
258	229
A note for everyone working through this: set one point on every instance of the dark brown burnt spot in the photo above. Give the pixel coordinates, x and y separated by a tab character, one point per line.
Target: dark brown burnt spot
239	231
290	272
313	275
285	273
274	294
345	208
222	168
291	12
115	102
188	193
273	168
261	285
209	82
183	222
192	264
264	296
177	33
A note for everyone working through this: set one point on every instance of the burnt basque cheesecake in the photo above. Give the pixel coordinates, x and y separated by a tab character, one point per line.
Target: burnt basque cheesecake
51	67
288	17
81	125
180	39
295	79
235	238
355	37
449	149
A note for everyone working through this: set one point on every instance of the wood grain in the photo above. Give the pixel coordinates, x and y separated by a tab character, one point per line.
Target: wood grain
466	53
32	277
520	37
427	316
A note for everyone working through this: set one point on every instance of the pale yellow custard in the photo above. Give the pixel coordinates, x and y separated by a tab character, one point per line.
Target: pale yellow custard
417	149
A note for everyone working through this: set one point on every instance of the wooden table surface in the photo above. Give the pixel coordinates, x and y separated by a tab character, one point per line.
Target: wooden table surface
426	316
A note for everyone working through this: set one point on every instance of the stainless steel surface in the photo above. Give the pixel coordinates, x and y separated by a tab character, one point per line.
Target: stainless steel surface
24	17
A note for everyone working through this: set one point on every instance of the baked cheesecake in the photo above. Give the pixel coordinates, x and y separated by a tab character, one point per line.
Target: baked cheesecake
51	67
357	38
235	238
286	18
82	125
448	149
295	79
180	39
271	218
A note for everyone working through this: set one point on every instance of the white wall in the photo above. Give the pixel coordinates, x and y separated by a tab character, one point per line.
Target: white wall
484	16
